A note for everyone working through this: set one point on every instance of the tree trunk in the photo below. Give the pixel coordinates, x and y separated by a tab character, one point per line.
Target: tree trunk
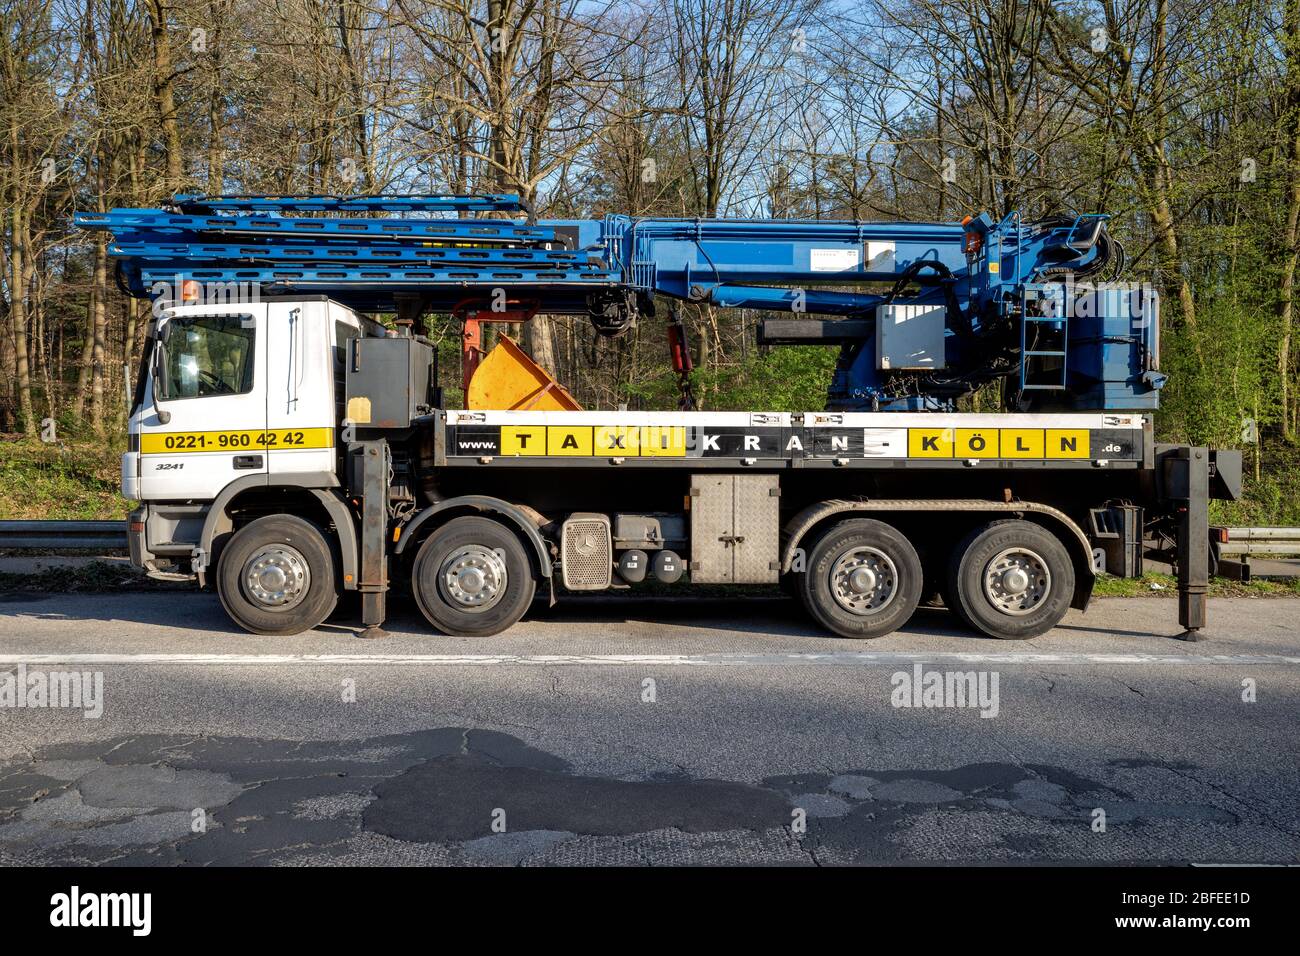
98	333
499	90
1160	178
164	90
216	154
356	88
1291	235
85	357
18	319
539	342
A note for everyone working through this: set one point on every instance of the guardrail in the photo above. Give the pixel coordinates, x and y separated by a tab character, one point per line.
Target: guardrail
1235	547
1257	542
63	535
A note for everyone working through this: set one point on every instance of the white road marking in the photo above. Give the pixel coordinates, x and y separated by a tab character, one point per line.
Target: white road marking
834	658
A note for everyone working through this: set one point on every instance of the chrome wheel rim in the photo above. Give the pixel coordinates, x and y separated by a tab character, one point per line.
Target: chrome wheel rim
864	581
276	577
473	578
1017	581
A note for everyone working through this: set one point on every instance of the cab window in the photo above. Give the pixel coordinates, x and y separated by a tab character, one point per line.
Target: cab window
207	355
343	332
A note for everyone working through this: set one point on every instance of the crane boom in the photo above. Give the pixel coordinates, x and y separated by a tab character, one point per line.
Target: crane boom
926	312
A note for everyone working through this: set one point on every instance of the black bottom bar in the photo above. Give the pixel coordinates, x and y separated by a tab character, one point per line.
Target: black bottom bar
926	905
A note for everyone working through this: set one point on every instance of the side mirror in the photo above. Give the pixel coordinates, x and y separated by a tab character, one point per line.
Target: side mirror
159	362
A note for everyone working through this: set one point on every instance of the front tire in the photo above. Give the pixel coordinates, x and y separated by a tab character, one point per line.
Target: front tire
277	576
863	579
1012	580
472	578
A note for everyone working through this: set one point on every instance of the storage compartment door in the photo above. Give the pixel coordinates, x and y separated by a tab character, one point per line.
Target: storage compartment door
756	510
735	525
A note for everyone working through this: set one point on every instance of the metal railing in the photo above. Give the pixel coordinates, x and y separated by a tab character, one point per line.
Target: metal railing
1258	542
63	535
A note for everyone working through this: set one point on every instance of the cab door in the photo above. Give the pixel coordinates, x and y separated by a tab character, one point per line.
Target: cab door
209	381
300	400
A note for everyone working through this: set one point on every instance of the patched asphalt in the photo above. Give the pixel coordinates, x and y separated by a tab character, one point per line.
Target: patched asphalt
720	734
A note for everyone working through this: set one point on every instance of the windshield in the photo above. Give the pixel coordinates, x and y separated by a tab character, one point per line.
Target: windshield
206	355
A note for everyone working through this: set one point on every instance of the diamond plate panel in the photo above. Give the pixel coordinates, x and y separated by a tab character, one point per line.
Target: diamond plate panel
756	526
711	516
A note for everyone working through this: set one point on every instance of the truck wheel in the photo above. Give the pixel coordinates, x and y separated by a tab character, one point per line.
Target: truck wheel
276	575
1011	580
472	578
863	579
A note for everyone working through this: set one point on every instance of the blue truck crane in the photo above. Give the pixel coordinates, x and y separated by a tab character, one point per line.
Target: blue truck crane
263	360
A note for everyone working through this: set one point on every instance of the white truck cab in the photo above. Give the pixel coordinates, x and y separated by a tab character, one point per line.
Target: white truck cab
230	397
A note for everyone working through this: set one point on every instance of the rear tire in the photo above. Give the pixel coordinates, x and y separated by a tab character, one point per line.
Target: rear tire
863	579
1012	580
472	578
277	575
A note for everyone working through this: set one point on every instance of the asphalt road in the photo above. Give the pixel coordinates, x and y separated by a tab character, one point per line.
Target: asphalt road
619	732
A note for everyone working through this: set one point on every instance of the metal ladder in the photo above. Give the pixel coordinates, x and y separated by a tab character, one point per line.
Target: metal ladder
1028	324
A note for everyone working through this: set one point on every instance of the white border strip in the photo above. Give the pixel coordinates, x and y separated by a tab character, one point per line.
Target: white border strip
833	658
1091	420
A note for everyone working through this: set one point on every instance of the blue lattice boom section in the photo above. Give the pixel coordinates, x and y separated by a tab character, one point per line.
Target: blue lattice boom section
991	285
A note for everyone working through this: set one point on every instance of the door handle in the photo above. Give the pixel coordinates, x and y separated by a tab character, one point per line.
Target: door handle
248	461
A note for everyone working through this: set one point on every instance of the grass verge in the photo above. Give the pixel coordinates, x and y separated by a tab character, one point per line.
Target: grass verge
66	481
1166	585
